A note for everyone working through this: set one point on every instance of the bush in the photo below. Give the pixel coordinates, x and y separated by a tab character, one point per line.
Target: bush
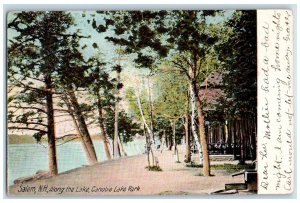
153	168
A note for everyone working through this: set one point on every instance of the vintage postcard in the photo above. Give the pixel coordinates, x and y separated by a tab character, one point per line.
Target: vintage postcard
150	102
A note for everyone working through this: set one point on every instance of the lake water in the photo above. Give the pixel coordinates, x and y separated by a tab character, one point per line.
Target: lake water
26	159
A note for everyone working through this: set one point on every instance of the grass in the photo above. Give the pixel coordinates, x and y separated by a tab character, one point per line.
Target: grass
193	165
153	168
229	168
199	174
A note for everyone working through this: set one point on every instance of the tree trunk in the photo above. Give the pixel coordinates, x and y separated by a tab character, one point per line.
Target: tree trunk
83	127
163	141
103	133
206	161
173	123
234	138
194	124
253	134
187	139
147	148
151	110
149	134
226	132
242	160
170	142
105	139
173	126
51	128
166	140
121	147
153	156
248	137
116	149
203	140
71	112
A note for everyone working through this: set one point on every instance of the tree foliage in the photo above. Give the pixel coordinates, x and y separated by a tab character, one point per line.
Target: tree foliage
171	93
33	55
127	127
238	56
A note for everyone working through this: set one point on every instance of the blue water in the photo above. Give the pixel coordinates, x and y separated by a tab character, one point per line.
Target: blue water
26	159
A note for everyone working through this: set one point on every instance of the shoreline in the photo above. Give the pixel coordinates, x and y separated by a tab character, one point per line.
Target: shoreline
28	139
127	176
70	156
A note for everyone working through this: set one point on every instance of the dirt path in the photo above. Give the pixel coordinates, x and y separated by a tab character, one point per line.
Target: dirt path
128	176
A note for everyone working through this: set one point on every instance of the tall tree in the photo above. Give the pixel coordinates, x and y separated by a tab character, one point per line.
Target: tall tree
101	88
70	78
60	75
33	59
150	100
117	152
